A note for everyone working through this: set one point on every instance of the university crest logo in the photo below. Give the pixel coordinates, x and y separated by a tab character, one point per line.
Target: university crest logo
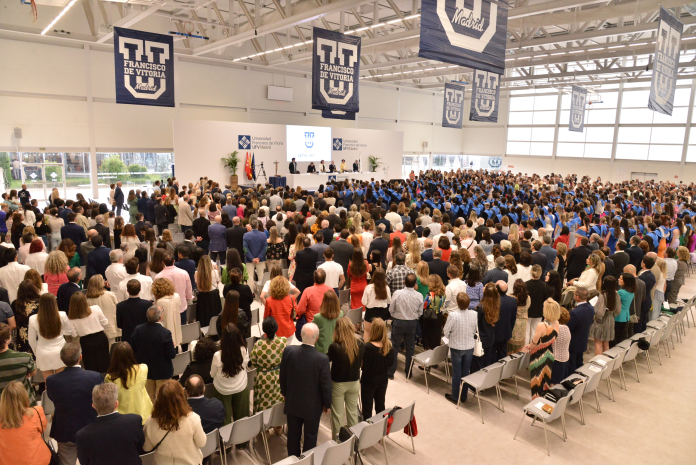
470	29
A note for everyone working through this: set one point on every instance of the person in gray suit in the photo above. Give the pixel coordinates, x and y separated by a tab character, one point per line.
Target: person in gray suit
343	250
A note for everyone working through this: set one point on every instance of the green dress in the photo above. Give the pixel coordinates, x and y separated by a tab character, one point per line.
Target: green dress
265	357
225	278
423	288
75	261
326	330
132	210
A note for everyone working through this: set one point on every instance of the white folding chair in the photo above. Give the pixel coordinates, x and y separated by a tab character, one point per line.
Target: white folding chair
245	430
369	434
511	367
211	329
344	297
292	460
631	352
607	363
484	379
430	358
190	332
212	445
400	421
618	354
148	459
535	408
47	404
180	362
275	417
332	453
355	316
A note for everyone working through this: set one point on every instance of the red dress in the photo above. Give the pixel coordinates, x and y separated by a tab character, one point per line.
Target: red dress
446	254
281	310
54	281
357	287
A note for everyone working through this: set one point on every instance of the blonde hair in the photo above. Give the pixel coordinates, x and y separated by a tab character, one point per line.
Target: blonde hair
344	336
436	285
95	286
378	332
422	271
167	235
552	311
162	287
562	249
279	287
56	263
683	253
414	255
14	404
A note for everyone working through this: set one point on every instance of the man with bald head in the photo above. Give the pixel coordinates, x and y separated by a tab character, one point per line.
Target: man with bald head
211	411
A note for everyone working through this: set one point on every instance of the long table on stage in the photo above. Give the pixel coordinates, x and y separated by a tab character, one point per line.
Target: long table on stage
313	180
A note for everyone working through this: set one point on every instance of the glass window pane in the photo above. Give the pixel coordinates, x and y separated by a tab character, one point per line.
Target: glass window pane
598	151
635	99
679	115
691	154
667	135
632	152
665	152
692	136
546	102
681	97
570	150
635	135
523	117
523	134
599	134
598	115
78	171
636	116
608	99
517	148
565	101
521	103
544	117
543	134
566	135
542	148
565	117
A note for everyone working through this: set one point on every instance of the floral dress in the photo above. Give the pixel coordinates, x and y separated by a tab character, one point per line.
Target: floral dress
293	265
22	319
265	357
275	251
520	330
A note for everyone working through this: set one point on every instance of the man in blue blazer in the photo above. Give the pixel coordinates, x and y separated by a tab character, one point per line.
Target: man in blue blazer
152	345
581	318
186	264
132	312
211	411
113	438
218	244
71	393
305	381
98	259
73	231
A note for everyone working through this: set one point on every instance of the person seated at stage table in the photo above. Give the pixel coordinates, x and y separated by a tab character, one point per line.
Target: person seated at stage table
311	168
332	167
356	166
293	166
322	167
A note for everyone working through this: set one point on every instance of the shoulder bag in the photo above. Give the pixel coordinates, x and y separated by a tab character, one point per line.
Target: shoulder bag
478	345
633	318
54	455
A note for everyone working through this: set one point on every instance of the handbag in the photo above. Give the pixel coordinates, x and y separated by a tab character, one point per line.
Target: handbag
412	428
429	312
633	318
478	345
54	455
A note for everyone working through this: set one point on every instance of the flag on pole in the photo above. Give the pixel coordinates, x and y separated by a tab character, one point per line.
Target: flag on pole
247	166
253	166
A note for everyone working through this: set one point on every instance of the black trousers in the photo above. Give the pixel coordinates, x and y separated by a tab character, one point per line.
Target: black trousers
372	394
501	349
311	431
575	361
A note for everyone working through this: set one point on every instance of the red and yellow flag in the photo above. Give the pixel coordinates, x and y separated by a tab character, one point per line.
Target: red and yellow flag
247	166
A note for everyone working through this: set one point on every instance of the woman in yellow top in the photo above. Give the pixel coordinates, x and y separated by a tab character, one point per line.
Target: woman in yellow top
344	167
130	378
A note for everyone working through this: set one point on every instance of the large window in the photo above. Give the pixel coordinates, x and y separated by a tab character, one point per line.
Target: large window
134	169
532	124
415	163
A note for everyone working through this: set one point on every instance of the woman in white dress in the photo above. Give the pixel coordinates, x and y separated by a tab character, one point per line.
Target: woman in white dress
46	331
170	303
130	238
89	323
106	301
37	256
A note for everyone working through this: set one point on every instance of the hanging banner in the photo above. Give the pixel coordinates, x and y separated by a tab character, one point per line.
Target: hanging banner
666	63
144	65
578	100
453	106
453	33
349	115
485	97
335	71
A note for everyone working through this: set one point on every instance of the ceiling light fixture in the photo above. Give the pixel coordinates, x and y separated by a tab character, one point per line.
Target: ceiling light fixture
60	15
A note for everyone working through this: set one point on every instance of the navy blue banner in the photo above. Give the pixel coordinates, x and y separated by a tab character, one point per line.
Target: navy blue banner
453	33
485	97
349	115
666	63
335	71
144	65
453	106
578	100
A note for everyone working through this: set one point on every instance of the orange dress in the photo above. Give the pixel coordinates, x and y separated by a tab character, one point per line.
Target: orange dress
24	445
661	248
357	287
281	310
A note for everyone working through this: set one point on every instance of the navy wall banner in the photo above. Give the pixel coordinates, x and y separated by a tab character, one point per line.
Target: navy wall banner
453	33
144	64
335	71
485	97
666	63
578	100
453	106
349	115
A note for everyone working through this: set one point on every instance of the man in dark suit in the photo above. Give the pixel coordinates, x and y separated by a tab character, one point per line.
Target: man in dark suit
581	318
132	312
113	438
648	278
234	237
186	264
332	167
66	290
498	272
102	230
609	269
311	168
211	411
293	166
305	382
306	261
73	231
381	244
383	221
356	166
479	230
140	225
152	344
118	198
635	253
498	235
427	255
508	316
343	251
549	251
150	210
539	258
71	394
577	260
98	259
326	232
620	258
188	243
439	266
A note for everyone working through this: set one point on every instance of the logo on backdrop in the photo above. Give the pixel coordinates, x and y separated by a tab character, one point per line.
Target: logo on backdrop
453	106
666	63
332	178
244	142
338	144
485	95
577	109
144	66
495	162
335	71
474	37
309	139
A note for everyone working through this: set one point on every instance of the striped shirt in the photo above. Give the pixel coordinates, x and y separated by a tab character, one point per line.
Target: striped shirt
460	329
14	366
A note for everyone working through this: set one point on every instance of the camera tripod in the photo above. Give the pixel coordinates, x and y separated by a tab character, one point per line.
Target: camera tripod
262	174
